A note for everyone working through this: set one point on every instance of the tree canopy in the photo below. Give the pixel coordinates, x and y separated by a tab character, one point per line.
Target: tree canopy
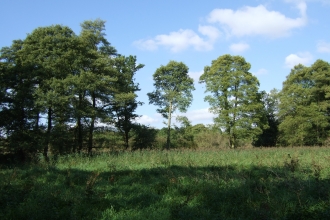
173	88
72	81
304	105
234	98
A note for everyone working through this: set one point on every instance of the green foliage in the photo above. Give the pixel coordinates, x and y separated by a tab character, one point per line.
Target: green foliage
51	52
189	136
211	139
185	134
94	82
124	104
107	139
173	87
144	137
269	136
17	103
173	91
71	81
304	105
235	98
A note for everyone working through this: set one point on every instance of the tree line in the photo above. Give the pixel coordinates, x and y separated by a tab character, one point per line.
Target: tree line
298	115
55	81
57	87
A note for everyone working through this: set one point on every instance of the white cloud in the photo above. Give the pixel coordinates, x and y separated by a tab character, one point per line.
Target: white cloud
246	21
212	32
239	47
299	58
194	116
261	71
199	116
258	21
323	47
195	75
146	44
183	39
147	120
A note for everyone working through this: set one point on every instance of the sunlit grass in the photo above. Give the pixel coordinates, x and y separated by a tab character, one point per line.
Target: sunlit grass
274	183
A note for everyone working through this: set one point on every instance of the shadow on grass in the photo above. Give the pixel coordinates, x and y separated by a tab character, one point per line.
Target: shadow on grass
173	192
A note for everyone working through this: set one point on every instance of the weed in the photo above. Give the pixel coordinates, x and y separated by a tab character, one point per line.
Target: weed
292	164
89	190
317	168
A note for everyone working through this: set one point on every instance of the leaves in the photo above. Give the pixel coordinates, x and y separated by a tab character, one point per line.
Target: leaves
304	105
173	85
124	103
68	79
173	91
234	97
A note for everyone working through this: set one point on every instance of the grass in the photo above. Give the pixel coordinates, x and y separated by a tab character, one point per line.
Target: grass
276	183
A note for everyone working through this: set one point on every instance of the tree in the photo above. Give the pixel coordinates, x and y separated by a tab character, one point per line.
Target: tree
52	52
96	77
173	91
19	121
125	103
235	98
304	105
144	137
186	133
269	136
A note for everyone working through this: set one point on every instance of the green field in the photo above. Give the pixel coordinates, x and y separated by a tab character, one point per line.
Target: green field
274	183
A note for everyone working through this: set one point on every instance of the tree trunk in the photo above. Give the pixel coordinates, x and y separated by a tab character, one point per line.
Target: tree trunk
36	128
169	127
49	127
90	137
126	139
75	139
233	145
91	128
127	129
79	125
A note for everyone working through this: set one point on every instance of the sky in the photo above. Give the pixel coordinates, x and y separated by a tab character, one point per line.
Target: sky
272	35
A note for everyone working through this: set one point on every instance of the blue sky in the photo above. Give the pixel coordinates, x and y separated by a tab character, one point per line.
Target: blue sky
273	36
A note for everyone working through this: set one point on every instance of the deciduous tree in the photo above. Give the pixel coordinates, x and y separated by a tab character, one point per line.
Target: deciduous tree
304	105
269	136
52	52
173	88
234	98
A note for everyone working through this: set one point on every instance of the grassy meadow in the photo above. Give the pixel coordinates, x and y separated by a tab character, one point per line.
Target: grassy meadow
268	183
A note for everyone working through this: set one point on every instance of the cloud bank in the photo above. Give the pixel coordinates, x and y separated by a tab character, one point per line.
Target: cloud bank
181	40
243	22
249	21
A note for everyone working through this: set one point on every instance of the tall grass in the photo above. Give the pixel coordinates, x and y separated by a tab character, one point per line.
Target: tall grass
275	183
